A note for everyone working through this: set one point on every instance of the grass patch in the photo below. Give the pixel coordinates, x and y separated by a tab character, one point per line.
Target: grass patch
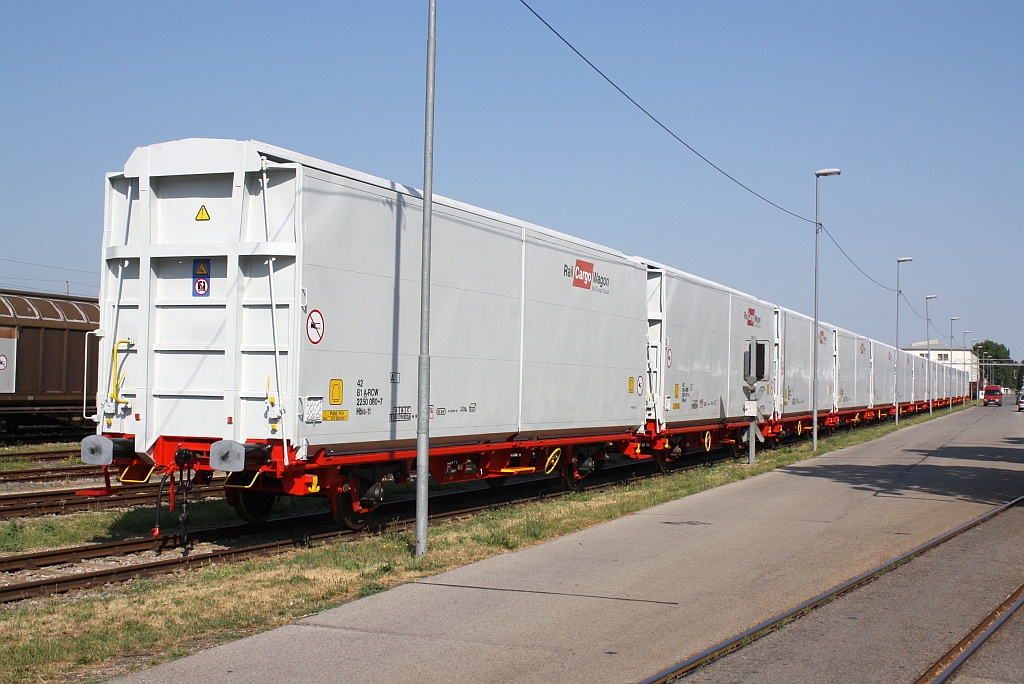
37	448
149	621
30	534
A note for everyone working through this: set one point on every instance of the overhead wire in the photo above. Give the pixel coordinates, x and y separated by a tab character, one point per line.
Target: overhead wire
711	163
56	268
49	291
890	289
690	147
51	280
659	123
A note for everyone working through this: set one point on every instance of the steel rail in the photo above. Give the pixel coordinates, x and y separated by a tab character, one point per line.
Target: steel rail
45	502
754	633
948	664
55	455
73	472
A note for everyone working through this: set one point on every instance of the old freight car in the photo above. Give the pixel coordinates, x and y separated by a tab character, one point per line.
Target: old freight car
43	372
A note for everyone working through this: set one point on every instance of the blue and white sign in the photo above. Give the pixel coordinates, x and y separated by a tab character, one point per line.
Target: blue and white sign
201	277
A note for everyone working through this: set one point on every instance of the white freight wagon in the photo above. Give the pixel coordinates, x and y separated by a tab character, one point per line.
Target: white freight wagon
531	329
260	315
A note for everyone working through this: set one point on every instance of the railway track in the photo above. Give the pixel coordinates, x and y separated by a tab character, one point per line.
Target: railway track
394	514
52	474
44	456
947	665
51	501
960	651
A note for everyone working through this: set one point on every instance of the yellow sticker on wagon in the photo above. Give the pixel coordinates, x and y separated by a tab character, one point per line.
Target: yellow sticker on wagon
335	415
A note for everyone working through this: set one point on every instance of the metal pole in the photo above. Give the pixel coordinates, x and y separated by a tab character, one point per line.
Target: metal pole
896	354
951	366
423	376
814	341
928	366
963	362
751	437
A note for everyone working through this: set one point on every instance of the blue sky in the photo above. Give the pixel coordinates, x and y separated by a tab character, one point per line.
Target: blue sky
920	104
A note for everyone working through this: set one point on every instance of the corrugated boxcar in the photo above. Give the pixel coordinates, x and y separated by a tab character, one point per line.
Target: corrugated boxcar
43	357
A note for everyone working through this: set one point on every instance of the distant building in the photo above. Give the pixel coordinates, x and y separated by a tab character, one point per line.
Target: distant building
958	357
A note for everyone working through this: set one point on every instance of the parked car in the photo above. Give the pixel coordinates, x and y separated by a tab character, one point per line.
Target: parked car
993	395
1020	401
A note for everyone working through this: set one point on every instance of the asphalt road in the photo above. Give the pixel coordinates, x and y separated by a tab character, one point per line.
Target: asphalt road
896	627
1000	660
623	600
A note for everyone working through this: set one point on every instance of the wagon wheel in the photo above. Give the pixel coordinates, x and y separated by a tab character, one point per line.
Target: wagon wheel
496	482
574	469
345	515
663	458
253	506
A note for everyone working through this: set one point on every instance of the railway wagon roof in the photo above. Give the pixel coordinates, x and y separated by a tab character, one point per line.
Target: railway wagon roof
192	156
41	310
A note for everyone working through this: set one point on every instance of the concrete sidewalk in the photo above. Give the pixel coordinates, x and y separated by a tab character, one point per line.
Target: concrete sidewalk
622	600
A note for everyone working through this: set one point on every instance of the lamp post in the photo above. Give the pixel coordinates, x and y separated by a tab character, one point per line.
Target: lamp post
975	368
928	340
954	318
964	362
896	360
816	334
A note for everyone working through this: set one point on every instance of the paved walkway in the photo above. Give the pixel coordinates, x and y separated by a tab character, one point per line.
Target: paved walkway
892	630
622	600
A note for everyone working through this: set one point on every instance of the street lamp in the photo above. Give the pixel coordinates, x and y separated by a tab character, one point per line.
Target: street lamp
964	360
928	341
815	341
975	368
954	318
896	360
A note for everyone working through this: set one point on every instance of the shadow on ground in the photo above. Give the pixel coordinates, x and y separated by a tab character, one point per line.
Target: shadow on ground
981	474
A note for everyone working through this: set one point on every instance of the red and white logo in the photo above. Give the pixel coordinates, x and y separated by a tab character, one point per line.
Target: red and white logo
821	337
583	274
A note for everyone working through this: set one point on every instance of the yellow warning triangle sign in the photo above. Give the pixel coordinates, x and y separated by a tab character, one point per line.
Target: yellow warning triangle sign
203	215
201	269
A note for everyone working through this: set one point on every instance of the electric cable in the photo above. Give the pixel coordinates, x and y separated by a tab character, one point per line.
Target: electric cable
655	120
46	291
890	289
56	268
711	163
51	280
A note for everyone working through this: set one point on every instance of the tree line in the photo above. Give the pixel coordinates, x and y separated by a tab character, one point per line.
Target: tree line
999	374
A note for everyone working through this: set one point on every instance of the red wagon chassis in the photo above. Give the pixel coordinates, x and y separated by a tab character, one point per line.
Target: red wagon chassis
346	479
